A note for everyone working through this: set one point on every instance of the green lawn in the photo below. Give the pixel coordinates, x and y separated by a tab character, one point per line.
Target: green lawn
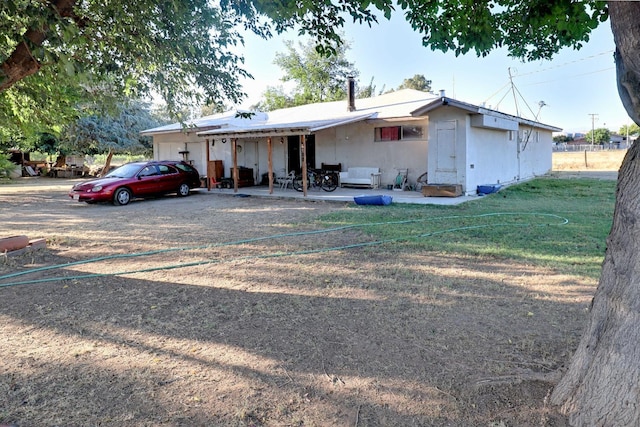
557	223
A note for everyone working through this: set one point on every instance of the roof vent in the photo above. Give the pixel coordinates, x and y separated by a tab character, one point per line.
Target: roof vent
351	94
442	95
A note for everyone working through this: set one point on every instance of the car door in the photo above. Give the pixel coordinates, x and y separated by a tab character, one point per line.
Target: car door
147	182
169	178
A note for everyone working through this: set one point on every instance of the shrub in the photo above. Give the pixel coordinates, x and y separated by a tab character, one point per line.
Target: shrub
6	166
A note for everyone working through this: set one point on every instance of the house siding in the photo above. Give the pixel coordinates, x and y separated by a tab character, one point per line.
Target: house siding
354	145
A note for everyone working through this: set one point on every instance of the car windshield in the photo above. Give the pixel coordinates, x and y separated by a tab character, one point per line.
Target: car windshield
124	171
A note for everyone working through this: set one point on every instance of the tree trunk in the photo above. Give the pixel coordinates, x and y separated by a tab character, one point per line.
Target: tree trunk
602	385
107	163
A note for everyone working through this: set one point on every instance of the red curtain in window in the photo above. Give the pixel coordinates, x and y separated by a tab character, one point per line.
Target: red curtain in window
390	133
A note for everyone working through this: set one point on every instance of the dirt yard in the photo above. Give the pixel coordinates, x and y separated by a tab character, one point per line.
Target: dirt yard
246	336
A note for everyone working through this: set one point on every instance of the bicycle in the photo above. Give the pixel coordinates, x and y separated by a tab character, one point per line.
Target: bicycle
316	178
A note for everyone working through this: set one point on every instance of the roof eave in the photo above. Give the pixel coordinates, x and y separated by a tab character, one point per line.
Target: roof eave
260	133
444	102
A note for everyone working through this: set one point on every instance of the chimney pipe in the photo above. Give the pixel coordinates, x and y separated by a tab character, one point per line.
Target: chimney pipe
442	93
351	94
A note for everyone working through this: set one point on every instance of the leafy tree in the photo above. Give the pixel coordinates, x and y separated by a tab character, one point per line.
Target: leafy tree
274	98
52	52
417	82
562	138
632	129
112	132
50	144
369	90
317	77
598	136
211	109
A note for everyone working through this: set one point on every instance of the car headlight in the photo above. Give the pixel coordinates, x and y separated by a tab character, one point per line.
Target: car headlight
96	188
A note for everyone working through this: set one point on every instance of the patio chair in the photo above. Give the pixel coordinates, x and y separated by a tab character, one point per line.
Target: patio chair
401	180
286	180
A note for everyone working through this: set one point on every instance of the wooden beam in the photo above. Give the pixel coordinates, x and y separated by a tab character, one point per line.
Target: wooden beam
206	141
236	173
303	151
270	163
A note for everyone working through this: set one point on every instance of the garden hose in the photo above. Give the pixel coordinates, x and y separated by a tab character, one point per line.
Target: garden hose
562	221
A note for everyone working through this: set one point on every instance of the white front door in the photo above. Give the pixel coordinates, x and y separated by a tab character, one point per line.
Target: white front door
446	169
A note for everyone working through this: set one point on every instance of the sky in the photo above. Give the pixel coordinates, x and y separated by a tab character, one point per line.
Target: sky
578	88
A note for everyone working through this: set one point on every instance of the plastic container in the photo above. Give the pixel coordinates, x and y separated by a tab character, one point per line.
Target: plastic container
488	189
378	200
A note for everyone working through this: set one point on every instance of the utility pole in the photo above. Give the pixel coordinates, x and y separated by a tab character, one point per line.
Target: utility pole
593	129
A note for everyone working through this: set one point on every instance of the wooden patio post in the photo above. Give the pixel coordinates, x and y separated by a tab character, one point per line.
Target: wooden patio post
206	142
236	173
270	162
303	151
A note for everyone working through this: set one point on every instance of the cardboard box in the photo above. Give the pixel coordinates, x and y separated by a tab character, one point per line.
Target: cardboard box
442	190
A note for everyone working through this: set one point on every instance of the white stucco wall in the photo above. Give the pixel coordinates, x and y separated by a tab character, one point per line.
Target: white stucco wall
492	158
536	154
480	156
354	145
485	155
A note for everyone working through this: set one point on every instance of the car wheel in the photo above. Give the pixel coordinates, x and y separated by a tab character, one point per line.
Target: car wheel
122	196
183	190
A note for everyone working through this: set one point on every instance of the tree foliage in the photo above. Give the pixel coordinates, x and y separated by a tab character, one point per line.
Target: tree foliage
54	51
317	78
598	136
111	131
528	29
562	138
632	129
417	82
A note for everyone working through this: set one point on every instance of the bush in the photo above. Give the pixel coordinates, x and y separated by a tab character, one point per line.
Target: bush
6	166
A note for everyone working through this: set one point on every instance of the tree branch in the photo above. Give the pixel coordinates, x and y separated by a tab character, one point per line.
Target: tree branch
21	62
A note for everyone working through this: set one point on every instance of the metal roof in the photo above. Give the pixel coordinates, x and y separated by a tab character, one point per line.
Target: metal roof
310	118
450	102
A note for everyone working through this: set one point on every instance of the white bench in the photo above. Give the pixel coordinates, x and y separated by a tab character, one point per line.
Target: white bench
360	176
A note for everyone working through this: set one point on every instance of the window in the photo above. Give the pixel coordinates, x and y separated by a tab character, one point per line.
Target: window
148	171
411	132
184	167
397	133
166	170
390	133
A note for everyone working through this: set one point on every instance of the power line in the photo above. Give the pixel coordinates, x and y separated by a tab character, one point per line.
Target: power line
565	64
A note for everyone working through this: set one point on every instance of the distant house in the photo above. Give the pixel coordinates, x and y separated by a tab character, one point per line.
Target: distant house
453	141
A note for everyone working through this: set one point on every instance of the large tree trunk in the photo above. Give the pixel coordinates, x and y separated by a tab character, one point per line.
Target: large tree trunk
602	385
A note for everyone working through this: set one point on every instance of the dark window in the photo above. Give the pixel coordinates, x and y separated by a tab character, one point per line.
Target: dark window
411	132
167	170
184	167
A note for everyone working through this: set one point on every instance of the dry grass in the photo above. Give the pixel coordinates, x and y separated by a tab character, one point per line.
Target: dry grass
365	337
609	160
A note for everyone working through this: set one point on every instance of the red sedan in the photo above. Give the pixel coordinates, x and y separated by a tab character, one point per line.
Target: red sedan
138	179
